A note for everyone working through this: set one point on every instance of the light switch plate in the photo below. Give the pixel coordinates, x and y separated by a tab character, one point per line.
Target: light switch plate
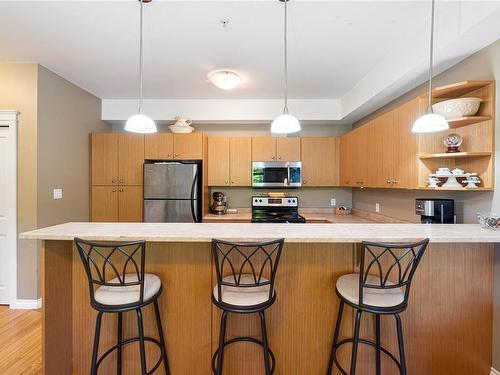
333	202
377	207
57	193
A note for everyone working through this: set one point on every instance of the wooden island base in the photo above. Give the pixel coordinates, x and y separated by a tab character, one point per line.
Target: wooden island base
448	325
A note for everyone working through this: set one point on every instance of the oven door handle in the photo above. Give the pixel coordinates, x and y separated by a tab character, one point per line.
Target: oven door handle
287	182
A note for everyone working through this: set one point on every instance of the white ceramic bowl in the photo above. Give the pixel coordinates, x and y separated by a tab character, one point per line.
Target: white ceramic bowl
181	129
456	108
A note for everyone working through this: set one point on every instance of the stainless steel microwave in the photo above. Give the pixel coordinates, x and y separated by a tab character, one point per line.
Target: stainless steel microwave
277	174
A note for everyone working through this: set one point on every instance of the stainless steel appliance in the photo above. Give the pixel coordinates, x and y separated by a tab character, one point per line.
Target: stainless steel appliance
219	203
276	210
441	211
276	174
172	192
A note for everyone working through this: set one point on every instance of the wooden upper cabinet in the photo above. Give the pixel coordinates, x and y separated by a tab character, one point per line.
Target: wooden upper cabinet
360	156
288	149
320	161
130	159
130	203
264	149
188	146
346	159
218	161
240	161
104	204
104	158
405	145
159	146
381	145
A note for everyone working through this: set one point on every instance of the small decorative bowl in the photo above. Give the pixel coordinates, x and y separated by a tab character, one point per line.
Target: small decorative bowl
489	220
456	108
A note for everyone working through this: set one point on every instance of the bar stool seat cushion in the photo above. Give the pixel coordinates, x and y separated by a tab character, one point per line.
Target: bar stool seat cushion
121	295
243	296
348	287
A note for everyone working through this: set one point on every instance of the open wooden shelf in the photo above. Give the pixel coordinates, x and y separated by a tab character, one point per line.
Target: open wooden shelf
456	189
458	89
454	155
467	120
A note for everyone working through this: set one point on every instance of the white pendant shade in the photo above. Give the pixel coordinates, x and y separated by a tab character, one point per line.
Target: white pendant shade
140	124
285	124
430	122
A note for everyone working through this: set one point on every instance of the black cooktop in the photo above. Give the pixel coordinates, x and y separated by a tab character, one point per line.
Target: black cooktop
277	217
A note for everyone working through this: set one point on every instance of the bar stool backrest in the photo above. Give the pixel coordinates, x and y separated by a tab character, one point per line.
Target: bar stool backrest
104	262
234	260
389	266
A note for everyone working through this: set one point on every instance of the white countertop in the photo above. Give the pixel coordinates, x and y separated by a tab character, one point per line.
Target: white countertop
204	232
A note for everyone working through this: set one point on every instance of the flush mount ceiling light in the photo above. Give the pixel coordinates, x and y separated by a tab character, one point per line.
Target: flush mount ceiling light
430	122
141	123
285	123
224	79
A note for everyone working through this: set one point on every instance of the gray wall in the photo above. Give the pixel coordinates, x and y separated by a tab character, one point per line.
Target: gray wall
485	64
66	116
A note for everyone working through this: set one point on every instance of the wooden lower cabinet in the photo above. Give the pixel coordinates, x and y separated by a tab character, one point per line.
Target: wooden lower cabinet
104	204
116	204
130	204
320	161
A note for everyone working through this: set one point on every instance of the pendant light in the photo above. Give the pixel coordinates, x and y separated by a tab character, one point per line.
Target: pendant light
285	123
430	122
141	123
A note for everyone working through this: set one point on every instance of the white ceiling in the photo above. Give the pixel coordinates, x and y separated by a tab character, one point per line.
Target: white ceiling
335	47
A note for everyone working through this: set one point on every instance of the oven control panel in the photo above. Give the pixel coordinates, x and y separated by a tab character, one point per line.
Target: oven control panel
260	201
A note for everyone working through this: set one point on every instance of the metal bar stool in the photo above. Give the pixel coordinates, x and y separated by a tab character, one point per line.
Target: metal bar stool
381	287
118	284
245	285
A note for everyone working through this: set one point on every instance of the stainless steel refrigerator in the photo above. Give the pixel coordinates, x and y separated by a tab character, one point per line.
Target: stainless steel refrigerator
172	192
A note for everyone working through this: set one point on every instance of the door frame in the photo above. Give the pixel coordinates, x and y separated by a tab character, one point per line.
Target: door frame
8	119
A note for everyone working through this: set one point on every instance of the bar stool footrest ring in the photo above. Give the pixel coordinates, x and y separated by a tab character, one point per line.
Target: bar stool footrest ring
366	342
129	341
243	339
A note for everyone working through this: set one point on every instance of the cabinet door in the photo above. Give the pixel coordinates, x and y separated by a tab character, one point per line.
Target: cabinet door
240	160
346	159
130	201
380	152
288	149
188	146
405	145
130	158
218	161
320	162
360	156
104	158
264	149
104	203
159	146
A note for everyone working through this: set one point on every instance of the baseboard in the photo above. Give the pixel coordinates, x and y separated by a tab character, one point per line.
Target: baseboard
26	304
494	372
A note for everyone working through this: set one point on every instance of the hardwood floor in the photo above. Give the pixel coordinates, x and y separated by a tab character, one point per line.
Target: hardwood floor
20	342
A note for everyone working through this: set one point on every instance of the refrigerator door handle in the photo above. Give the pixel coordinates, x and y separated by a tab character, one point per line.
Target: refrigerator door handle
193	186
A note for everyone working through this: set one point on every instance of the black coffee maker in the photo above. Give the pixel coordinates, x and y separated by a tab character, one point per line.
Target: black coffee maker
435	211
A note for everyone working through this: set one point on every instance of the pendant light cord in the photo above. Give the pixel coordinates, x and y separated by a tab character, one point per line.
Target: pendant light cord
431	58
141	58
285	109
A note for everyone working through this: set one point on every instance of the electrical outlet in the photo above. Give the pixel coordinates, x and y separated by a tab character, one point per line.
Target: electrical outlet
57	193
333	202
377	207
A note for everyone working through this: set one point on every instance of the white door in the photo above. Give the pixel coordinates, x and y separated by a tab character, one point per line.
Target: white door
8	205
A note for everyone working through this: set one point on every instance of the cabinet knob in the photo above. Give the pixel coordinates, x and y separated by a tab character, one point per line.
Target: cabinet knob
273	157
232	182
121	180
120	190
304	182
113	181
387	181
279	157
176	155
394	181
114	190
169	155
226	182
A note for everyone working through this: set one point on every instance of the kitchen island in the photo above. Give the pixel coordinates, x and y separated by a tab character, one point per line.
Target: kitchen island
448	325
